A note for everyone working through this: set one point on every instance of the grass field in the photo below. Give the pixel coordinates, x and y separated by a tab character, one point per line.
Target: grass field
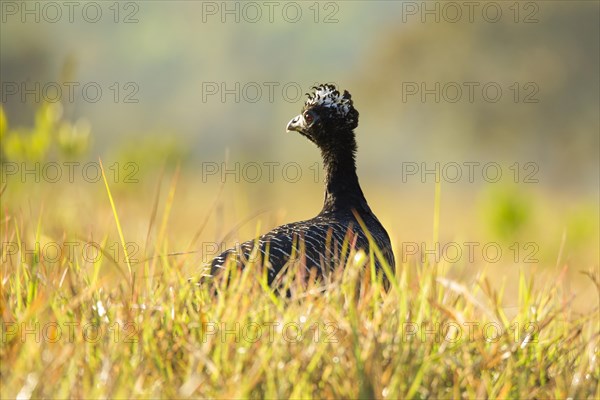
478	150
95	303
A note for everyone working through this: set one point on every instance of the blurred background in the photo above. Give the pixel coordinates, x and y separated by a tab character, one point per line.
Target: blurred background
496	101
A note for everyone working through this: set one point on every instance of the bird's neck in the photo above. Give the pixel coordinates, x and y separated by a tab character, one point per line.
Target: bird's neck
342	190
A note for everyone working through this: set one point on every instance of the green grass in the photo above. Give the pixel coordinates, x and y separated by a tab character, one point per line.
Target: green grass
130	325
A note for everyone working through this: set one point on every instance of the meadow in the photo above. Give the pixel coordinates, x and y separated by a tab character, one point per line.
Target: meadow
96	301
141	138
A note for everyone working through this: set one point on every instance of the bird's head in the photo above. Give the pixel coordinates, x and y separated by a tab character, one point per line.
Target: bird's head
327	118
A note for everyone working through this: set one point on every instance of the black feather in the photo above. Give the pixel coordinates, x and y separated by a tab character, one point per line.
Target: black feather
322	237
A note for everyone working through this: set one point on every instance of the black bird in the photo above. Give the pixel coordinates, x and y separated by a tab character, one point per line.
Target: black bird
328	119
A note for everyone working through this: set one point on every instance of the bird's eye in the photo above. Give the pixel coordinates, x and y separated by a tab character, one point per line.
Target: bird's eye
308	118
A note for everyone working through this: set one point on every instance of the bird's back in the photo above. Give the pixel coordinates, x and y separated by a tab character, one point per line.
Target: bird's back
317	242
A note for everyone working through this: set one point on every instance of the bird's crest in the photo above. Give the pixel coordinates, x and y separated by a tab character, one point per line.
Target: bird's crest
328	96
340	104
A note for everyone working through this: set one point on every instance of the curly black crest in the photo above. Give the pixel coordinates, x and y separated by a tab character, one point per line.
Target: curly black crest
338	106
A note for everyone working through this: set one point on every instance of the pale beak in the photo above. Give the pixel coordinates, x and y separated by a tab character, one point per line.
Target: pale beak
296	124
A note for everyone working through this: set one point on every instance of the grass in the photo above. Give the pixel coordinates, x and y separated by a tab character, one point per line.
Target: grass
110	326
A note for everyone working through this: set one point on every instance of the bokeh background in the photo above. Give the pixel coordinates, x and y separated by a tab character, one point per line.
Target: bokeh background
187	86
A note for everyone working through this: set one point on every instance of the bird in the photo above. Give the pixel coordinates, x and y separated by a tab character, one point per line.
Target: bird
328	119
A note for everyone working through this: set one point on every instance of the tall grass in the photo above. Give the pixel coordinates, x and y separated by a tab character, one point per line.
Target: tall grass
75	327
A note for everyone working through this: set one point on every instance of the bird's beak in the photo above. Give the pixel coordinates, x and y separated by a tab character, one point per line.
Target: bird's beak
296	124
